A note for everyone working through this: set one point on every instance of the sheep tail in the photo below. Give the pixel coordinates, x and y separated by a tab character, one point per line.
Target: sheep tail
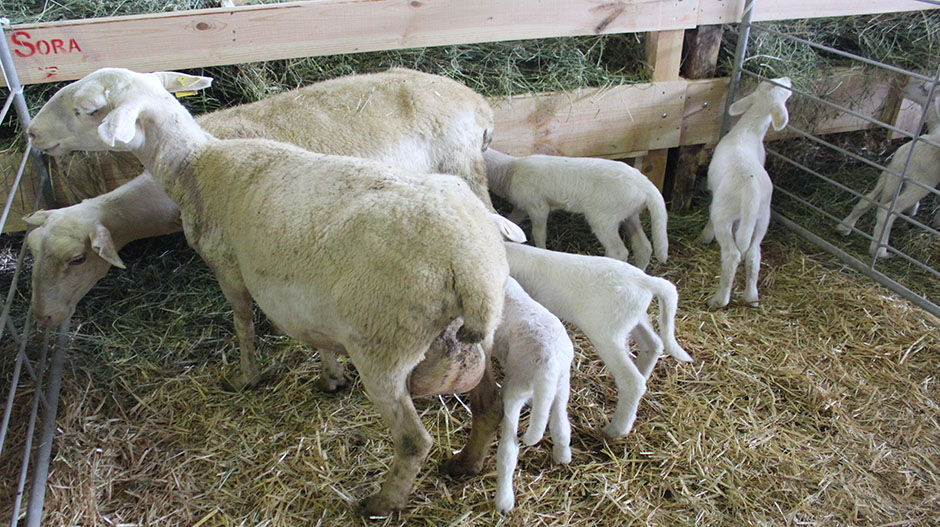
542	402
668	299
658	219
482	304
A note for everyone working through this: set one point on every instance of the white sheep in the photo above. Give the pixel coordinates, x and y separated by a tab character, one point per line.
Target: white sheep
608	193
418	121
535	353
334	250
741	189
923	174
607	299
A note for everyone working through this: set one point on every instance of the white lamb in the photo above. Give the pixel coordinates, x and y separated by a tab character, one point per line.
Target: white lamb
608	193
339	252
535	353
923	174
741	188
607	299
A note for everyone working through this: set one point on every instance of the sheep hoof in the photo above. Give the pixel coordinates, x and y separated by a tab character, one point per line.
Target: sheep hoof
459	466
328	384
843	229
716	303
612	432
240	382
752	303
377	505
469	336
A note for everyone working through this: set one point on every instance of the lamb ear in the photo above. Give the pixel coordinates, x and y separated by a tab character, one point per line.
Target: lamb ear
508	229
103	245
741	105
176	82
779	116
120	125
37	218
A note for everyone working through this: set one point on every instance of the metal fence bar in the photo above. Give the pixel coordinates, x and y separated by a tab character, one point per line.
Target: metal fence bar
744	31
858	265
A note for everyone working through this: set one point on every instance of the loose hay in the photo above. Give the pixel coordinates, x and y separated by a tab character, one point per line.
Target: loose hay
818	408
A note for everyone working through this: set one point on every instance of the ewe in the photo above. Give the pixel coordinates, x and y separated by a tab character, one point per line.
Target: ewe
741	188
421	122
335	250
608	193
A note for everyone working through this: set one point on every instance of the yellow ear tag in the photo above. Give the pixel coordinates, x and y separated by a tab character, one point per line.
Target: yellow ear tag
186	80
181	94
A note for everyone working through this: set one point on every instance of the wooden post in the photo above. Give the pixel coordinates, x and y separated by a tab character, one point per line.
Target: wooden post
701	58
664	55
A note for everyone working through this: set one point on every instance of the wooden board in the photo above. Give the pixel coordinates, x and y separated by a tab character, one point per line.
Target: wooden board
61	51
729	11
614	122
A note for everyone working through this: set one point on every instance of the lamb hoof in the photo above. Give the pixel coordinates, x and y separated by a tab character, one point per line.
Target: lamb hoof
843	229
377	505
752	303
459	466
612	432
240	382
330	385
561	456
716	302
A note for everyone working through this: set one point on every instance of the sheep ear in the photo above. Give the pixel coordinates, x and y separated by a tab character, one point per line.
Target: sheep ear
177	82
779	116
741	105
89	98
37	218
508	229
103	245
120	125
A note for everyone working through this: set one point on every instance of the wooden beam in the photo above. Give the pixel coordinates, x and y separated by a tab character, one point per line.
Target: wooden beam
664	56
729	11
60	51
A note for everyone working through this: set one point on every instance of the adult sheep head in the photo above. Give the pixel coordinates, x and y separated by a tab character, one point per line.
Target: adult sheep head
71	253
97	112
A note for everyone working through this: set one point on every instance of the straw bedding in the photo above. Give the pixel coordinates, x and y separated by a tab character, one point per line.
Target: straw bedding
818	408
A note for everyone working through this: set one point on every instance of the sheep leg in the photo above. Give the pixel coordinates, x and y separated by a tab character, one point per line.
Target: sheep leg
332	375
730	258
487	410
864	205
752	261
507	454
631	385
708	233
240	299
607	231
388	391
559	424
642	249
906	199
539	217
648	344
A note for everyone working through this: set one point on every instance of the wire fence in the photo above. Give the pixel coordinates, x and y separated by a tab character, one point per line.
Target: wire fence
844	194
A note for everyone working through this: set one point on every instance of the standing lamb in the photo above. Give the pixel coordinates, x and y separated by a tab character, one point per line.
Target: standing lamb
372	258
607	192
535	353
421	122
607	299
741	188
923	175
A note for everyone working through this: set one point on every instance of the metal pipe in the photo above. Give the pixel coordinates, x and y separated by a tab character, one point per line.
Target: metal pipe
19	103
37	488
744	32
858	265
17	369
